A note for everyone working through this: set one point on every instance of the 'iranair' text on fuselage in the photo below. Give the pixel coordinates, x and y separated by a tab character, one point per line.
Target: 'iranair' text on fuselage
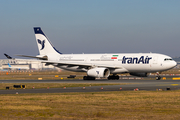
136	60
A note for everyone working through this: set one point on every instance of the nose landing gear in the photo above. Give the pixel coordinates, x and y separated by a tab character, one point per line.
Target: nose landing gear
158	77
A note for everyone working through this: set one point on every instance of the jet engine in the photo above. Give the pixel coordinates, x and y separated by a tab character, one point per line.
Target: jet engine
98	72
140	74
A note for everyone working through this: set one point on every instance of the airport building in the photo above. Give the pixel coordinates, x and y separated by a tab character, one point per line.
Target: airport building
11	64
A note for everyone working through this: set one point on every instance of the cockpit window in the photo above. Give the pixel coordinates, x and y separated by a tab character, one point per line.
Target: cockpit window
168	59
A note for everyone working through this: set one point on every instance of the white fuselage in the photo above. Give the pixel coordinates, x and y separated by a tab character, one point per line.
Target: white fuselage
127	62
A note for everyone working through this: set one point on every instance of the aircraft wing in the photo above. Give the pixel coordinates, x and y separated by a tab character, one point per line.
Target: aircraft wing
40	58
80	64
70	64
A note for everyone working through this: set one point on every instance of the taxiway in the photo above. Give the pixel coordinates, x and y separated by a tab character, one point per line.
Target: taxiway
151	85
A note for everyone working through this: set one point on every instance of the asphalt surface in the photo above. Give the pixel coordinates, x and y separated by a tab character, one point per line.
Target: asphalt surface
149	85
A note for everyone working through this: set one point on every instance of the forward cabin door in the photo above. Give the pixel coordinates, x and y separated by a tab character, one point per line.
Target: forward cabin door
154	64
155	58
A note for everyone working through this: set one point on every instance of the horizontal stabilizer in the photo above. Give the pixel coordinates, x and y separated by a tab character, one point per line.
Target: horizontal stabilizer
41	58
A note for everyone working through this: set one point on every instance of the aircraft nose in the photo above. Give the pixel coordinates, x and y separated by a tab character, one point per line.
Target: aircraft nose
174	63
171	64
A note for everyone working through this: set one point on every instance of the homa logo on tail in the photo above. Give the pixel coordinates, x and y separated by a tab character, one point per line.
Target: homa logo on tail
42	43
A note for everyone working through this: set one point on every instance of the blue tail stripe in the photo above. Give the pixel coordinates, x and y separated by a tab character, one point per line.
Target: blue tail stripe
57	50
37	30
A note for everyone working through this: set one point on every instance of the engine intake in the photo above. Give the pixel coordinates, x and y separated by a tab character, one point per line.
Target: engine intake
98	72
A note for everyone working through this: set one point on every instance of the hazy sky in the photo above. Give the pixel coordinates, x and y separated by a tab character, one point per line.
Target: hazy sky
91	26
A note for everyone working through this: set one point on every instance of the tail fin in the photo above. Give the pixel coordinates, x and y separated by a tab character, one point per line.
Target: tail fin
44	45
9	65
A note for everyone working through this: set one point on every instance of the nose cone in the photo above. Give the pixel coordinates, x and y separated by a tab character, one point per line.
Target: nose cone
172	64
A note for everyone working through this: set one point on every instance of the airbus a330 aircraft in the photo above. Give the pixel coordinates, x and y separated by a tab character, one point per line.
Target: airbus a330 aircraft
101	65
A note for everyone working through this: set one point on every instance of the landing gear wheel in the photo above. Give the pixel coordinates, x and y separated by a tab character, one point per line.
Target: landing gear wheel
84	78
158	77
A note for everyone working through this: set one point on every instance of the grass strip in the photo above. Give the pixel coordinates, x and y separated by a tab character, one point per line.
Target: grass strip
126	105
55	85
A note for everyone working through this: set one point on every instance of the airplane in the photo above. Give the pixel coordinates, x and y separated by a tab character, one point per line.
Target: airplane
17	68
101	65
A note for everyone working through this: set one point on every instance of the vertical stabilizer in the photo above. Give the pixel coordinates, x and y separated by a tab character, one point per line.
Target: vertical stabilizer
9	65
44	45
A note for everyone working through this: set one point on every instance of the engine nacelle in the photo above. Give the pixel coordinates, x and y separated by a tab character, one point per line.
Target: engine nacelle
98	72
140	74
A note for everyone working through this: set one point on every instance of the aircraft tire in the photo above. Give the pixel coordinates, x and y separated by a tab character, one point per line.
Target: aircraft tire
84	78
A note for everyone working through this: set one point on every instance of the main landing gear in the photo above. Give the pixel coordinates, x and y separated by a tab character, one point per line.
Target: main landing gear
89	78
113	77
